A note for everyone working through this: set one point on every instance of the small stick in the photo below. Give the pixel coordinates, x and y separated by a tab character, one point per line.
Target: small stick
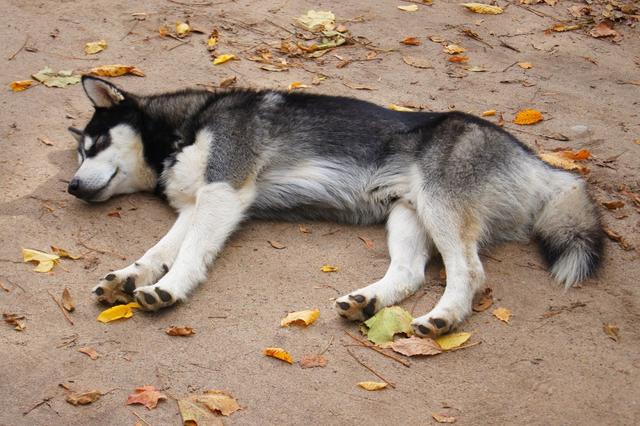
509	66
140	417
12	57
133	27
495	259
82	243
204	3
508	46
370	369
64	312
327	347
4	288
44	401
380	351
280	26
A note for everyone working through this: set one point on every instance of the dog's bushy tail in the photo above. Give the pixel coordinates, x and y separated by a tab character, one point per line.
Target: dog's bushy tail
570	234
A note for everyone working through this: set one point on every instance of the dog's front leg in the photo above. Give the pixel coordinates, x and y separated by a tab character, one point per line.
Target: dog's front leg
118	286
219	209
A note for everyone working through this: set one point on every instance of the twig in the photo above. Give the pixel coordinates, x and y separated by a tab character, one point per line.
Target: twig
370	369
64	312
464	346
119	256
380	351
44	401
279	26
133	27
495	259
12	57
508	46
509	66
15	284
326	347
139	417
204	3
4	288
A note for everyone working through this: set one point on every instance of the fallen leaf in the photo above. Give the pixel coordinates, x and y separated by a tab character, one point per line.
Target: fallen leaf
296	85
367	242
64	253
489	113
20	85
94	47
212	41
302	228
388	322
115	70
441	418
503	314
454	49
583	154
485	300
399	108
528	116
329	268
476	69
203	409
417	62
83	398
50	78
179	331
146	395
436	39
229	81
525	65
373	386
409	8
614	236
278	353
611	331
316	21
67	301
91	352
604	29
300	318
115	213
452	340
221	59
557	159
117	312
182	29
413	346
458	59
613	205
411	41
311	361
276	245
45	261
561	28
15	320
483	8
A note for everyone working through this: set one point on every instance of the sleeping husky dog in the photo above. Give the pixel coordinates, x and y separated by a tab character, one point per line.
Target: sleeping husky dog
449	182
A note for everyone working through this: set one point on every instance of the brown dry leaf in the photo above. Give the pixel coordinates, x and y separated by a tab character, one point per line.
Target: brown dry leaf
483	8
614	204
303	318
276	245
229	81
458	59
203	409
559	159
614	236
409	8
64	253
15	320
503	314
373	386
528	116
146	395
180	331
20	85
436	39
115	70
45	141
91	352
417	62
115	213
67	301
311	361
83	398
413	345
454	49
441	418
278	353
525	65
485	300
605	29
329	268
302	228
611	331
367	242
411	41
489	113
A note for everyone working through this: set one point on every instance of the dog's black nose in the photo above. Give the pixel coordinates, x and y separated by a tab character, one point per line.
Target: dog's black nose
74	187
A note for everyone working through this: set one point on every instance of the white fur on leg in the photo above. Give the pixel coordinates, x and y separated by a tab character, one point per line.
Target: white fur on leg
409	248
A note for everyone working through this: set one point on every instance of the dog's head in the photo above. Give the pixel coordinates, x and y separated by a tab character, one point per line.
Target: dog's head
110	149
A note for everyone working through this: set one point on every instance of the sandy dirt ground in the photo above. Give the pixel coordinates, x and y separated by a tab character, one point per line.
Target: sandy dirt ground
553	364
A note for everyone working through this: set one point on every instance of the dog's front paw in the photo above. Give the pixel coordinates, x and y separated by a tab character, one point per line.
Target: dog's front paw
438	322
154	297
119	286
357	307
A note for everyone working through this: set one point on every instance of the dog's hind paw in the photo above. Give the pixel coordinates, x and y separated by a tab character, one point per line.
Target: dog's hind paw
357	307
152	298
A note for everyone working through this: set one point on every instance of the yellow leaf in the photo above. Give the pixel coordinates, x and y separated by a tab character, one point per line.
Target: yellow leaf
329	268
528	116
182	29
409	8
372	386
399	108
296	85
611	330
489	113
525	65
556	159
212	42
94	47
454	49
503	314
115	70
441	418
117	312
300	318
483	8
45	261
560	28
20	85
452	340
63	253
278	353
221	59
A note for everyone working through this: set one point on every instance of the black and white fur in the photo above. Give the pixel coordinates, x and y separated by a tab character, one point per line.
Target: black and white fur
446	182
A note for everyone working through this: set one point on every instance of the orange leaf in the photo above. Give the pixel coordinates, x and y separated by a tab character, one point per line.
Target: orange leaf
310	361
458	59
528	116
411	41
180	331
278	353
91	352
115	70
19	86
147	396
367	241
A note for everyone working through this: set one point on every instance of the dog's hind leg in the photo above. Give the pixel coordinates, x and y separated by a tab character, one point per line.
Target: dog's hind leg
455	232
409	248
118	286
218	210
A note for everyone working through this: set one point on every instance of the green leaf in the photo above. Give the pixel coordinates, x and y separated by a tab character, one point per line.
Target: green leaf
50	78
388	322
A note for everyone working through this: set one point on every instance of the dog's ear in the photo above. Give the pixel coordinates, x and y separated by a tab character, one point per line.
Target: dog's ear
76	133
102	93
